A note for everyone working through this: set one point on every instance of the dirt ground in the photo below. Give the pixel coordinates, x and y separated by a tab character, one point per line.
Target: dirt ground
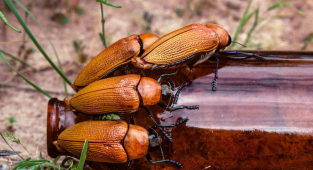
283	29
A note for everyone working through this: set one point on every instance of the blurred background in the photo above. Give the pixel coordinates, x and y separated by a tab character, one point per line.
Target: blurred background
74	28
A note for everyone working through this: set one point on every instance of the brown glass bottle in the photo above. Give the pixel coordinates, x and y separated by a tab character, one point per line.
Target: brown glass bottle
260	117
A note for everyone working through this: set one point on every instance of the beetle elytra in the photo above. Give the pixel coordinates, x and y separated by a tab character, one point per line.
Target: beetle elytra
111	58
111	141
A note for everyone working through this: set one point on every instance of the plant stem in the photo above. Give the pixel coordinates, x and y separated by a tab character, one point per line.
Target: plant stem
10	145
103	22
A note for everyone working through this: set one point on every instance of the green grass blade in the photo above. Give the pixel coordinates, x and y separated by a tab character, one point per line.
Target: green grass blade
34	164
109	3
307	41
49	39
242	23
255	23
8	143
20	164
32	37
278	5
28	81
5	21
83	156
19	60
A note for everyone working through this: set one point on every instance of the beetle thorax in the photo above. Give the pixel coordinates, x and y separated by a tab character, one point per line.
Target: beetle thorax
150	91
136	142
222	34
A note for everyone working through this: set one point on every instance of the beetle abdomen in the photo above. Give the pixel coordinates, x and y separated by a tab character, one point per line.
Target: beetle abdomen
115	55
115	94
104	138
181	44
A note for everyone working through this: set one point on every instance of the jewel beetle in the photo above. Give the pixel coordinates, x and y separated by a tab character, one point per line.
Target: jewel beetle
116	55
123	94
189	46
175	48
112	141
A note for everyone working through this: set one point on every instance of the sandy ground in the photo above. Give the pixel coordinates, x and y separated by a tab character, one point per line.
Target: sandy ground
283	29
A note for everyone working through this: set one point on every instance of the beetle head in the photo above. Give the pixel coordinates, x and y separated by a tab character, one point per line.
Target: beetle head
154	142
223	35
166	92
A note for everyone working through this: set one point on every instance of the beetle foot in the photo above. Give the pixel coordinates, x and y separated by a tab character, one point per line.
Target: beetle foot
193	107
176	163
214	85
182	121
166	135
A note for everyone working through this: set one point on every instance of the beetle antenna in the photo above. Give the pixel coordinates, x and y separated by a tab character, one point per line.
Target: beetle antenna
169	101
238	43
153	130
170	161
159	79
161	151
159	143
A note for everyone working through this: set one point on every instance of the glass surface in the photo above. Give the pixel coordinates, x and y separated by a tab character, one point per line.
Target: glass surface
260	116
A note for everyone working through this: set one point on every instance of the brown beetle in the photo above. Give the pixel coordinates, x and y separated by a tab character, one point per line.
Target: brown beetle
189	46
111	141
122	94
181	45
111	58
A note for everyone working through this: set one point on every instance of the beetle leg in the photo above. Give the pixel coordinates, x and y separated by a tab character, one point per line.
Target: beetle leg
128	164
156	67
151	129
182	85
166	75
171	161
216	76
177	124
246	54
193	107
149	114
169	80
171	125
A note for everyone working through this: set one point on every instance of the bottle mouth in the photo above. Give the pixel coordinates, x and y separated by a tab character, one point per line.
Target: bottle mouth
59	117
